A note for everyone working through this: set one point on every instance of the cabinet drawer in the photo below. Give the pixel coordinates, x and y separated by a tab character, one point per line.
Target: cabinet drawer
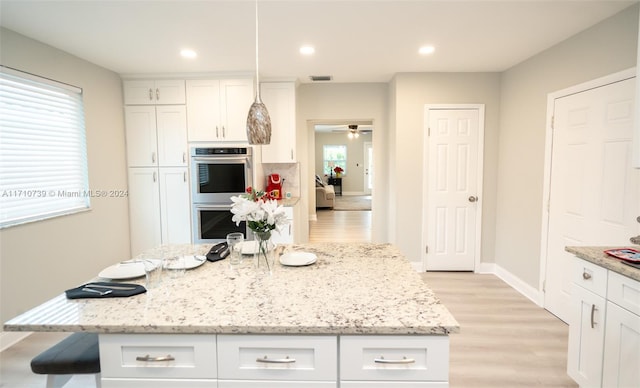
275	384
158	356
624	291
305	358
394	358
589	276
158	383
394	384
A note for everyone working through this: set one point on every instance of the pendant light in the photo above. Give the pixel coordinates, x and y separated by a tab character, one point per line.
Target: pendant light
258	120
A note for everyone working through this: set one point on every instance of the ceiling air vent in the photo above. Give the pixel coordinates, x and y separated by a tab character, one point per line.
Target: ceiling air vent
316	78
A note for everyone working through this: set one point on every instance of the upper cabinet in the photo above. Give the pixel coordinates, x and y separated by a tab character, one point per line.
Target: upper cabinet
217	109
156	136
280	100
154	92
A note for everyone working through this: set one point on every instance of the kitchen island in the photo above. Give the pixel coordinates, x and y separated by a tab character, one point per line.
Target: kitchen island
359	314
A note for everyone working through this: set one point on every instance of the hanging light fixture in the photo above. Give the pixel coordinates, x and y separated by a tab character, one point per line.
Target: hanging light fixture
258	120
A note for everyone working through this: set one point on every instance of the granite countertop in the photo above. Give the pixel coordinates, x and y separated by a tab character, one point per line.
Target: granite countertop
351	289
597	256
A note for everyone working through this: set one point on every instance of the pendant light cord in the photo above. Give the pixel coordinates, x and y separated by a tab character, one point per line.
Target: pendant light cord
257	68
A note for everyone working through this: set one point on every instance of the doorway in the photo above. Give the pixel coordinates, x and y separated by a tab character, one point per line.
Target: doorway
592	190
454	136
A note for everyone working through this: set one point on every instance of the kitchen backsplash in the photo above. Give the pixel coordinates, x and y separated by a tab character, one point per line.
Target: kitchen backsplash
290	172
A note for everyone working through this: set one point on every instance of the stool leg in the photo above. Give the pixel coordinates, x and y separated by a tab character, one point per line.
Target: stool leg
98	380
57	381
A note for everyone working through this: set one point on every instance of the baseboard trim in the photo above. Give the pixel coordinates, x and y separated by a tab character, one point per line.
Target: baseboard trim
517	284
8	339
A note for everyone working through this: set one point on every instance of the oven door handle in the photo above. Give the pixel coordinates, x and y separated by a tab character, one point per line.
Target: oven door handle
222	159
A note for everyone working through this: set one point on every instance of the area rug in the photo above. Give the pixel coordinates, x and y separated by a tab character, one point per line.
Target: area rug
352	202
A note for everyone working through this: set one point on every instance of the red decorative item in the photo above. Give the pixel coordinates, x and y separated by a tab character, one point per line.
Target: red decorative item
274	186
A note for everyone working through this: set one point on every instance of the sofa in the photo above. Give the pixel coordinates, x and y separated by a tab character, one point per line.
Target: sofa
325	194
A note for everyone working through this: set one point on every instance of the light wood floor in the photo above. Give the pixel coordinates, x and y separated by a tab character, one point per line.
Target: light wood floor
505	339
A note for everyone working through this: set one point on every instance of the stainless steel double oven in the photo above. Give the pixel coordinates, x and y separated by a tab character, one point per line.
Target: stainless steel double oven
217	174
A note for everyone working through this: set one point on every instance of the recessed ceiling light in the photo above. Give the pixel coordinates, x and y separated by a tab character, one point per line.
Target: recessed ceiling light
188	53
426	50
307	50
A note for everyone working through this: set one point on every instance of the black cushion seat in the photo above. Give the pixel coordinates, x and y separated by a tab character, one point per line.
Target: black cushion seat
76	354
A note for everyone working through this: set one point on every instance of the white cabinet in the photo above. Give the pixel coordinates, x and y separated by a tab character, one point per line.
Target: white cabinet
179	360
604	327
158	177
285	236
621	361
217	109
586	337
300	361
280	100
144	209
394	361
156	135
175	217
154	92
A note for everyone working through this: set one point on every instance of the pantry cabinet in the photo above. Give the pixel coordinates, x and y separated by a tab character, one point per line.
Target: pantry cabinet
159	207
154	92
280	100
217	109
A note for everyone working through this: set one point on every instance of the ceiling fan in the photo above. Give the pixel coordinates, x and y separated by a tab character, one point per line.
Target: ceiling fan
353	130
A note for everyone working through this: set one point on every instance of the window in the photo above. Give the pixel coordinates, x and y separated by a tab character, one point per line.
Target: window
333	156
43	155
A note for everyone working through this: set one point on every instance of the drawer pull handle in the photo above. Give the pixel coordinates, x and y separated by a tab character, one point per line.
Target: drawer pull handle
586	276
268	360
148	358
593	311
404	360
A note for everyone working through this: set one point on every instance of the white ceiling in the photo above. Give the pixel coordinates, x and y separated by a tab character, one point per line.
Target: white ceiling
355	41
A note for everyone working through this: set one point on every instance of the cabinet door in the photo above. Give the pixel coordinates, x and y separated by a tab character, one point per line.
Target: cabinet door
140	124
203	110
152	92
168	92
280	100
139	92
236	99
275	384
144	202
586	337
285	236
171	121
174	205
621	348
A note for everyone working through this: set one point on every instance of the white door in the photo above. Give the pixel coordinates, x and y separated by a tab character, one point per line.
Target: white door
454	171
368	167
594	191
236	99
172	135
140	124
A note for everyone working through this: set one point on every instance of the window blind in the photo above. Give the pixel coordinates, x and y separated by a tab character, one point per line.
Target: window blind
43	156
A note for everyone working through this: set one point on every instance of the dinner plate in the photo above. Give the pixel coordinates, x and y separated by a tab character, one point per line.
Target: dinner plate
251	247
123	271
298	259
189	262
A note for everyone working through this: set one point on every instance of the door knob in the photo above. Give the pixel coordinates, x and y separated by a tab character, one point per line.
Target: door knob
473	198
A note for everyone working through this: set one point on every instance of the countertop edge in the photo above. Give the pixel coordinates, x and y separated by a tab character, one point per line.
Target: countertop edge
596	255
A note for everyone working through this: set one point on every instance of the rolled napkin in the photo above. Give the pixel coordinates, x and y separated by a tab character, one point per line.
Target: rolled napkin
105	290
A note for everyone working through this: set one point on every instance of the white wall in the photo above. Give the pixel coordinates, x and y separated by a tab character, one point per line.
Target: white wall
334	101
412	92
41	259
603	49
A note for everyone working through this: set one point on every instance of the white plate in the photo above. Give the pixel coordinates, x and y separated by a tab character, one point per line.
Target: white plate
123	271
190	262
251	247
297	259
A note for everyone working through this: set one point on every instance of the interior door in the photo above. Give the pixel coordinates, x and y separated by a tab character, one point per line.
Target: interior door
453	199
594	191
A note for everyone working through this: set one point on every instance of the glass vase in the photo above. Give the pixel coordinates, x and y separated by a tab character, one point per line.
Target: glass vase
264	255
